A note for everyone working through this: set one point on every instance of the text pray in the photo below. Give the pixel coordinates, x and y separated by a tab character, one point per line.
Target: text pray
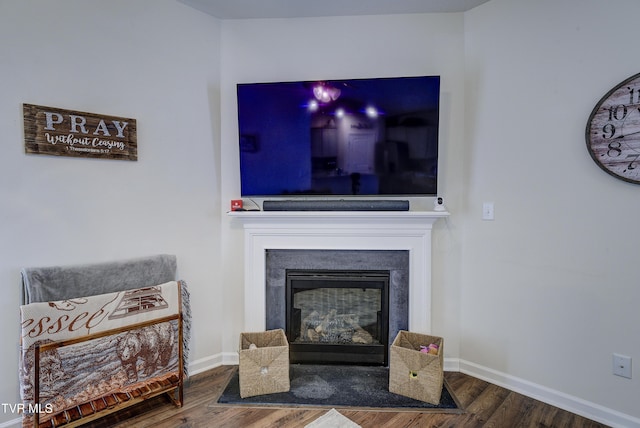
78	124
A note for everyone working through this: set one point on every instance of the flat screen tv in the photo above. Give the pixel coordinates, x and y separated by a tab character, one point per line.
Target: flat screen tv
357	137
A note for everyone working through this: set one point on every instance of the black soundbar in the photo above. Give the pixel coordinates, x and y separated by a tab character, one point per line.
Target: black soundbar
336	205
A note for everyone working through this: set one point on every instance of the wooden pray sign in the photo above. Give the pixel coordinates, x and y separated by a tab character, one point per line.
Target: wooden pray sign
58	132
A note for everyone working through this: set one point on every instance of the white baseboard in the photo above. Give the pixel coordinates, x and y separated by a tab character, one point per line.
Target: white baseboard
204	364
230	358
555	398
212	361
13	423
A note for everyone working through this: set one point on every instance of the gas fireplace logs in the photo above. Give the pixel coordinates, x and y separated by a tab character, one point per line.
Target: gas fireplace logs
334	328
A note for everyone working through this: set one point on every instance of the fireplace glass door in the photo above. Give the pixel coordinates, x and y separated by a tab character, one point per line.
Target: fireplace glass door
339	317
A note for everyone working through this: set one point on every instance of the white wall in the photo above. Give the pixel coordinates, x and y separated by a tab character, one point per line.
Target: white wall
155	61
550	288
348	47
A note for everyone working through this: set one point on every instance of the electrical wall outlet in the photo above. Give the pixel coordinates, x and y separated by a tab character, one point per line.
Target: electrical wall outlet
622	365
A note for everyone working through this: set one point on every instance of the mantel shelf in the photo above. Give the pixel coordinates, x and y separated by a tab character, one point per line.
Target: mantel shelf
320	217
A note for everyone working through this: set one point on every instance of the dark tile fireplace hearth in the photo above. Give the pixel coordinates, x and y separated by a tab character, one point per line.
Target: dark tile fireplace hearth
338	306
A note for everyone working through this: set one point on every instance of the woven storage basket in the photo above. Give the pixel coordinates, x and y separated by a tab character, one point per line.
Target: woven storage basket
264	369
413	373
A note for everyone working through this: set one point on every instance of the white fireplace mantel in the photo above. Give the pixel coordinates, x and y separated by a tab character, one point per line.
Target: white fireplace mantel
338	230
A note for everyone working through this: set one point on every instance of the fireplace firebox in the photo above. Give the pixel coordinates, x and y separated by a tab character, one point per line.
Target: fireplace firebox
337	317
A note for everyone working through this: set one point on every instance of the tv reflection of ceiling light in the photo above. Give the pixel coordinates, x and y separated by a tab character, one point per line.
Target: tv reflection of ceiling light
372	112
313	105
339	113
325	93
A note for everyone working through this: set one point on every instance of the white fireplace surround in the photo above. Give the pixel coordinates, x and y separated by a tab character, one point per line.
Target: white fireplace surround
338	230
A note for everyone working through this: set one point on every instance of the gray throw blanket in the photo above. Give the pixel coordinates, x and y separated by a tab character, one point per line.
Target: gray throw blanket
44	284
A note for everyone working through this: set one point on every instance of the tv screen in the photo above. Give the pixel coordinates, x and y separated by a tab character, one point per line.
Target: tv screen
359	137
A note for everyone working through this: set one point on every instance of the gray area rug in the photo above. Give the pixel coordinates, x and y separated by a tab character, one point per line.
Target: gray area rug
338	386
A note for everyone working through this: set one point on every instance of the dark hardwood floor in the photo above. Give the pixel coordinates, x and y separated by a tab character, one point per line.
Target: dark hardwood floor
485	405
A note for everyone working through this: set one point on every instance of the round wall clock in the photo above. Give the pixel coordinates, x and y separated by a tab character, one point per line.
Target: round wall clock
613	131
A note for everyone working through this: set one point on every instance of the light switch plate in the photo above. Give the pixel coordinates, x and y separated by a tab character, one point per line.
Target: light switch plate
487	211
